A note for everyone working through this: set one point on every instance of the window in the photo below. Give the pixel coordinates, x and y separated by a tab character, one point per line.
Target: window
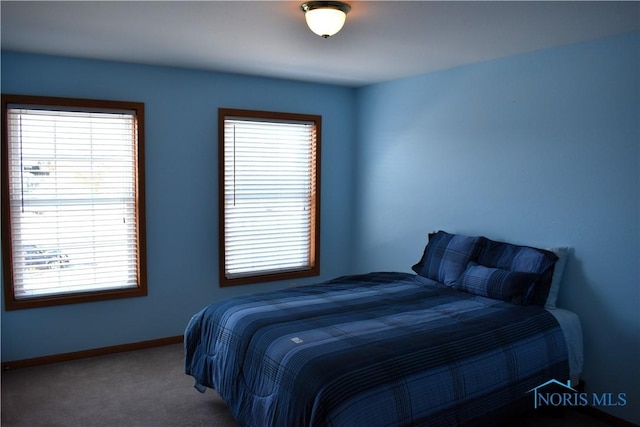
269	196
72	200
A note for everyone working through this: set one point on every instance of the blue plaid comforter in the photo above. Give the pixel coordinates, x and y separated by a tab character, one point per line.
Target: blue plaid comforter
381	349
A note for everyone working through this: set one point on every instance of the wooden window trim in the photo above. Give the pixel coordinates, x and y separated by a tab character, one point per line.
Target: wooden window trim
11	303
314	270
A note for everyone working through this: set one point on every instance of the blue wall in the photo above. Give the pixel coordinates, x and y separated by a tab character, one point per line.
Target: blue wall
540	149
181	109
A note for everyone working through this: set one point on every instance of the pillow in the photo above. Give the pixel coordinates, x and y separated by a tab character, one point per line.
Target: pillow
524	259
446	256
496	283
562	253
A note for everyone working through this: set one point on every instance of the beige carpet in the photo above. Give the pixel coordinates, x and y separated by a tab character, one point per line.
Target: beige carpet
140	388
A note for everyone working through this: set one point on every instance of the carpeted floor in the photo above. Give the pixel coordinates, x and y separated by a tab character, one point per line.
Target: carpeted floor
146	388
138	388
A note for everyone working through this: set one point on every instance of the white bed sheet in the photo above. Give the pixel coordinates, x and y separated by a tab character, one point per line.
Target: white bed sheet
572	329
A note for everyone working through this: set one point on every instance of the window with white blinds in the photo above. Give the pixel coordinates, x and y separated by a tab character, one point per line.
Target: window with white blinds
269	196
73	200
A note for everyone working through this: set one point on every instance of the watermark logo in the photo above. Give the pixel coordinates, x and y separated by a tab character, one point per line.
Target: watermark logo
556	393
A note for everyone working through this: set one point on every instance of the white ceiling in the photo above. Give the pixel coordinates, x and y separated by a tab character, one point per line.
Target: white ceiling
381	40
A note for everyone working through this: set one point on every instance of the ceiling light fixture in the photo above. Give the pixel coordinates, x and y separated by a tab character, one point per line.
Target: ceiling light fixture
325	18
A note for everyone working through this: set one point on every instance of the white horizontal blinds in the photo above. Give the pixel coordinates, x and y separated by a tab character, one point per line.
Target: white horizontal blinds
269	187
72	201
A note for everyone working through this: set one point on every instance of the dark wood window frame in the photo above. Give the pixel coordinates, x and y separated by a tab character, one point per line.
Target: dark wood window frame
313	266
136	109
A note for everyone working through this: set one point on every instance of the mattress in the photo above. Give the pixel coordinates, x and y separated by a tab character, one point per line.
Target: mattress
572	329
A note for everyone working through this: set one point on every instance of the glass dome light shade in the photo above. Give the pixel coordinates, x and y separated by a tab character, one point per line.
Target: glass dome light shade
325	18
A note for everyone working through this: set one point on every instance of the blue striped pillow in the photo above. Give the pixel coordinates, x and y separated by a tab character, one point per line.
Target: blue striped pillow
525	259
496	283
446	256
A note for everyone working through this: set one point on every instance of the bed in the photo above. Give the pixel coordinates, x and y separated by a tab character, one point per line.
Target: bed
460	342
